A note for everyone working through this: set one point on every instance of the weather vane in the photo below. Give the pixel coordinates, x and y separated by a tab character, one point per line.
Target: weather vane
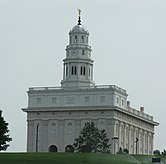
79	12
79	16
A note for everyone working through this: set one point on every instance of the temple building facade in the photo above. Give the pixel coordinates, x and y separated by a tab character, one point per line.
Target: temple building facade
56	115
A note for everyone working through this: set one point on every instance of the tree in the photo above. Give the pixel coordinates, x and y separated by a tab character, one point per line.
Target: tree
164	152
126	150
104	146
4	136
120	151
156	152
91	139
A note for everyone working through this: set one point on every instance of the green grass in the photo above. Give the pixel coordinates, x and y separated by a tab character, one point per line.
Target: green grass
144	159
73	158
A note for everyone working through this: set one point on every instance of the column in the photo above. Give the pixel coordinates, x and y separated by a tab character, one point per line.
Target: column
119	143
141	141
146	142
121	135
132	140
152	142
115	136
125	137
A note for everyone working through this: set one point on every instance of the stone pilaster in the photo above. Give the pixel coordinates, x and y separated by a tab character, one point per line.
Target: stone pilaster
30	136
61	136
44	136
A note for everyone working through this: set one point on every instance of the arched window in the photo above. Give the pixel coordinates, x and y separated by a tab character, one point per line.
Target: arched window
81	71
53	126
75	38
101	125
82	39
84	71
69	126
69	148
83	52
53	148
73	70
66	71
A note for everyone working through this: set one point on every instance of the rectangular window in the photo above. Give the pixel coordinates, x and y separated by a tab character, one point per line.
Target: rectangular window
117	100
38	100
122	102
54	100
102	99
86	99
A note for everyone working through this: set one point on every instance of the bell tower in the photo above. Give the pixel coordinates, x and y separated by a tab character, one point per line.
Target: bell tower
78	65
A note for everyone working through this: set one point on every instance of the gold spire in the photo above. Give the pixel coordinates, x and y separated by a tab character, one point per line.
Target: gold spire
79	16
79	12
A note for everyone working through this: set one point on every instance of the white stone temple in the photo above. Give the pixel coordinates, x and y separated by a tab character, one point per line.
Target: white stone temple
55	115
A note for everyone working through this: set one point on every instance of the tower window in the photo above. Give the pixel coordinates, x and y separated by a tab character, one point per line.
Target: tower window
73	70
83	52
89	71
75	39
117	100
81	71
66	71
82	39
84	71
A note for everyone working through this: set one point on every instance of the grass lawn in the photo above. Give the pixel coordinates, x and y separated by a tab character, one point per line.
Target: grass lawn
72	158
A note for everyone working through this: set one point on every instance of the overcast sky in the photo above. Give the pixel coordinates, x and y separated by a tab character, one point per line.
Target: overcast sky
128	39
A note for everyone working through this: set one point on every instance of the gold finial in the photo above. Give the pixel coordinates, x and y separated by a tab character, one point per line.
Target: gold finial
79	12
79	16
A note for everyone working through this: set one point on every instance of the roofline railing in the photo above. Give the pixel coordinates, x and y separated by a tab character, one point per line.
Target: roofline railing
78	88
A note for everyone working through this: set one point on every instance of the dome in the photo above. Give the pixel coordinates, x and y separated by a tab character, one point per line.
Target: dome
79	29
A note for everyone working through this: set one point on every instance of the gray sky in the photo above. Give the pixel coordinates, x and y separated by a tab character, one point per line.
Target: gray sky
128	39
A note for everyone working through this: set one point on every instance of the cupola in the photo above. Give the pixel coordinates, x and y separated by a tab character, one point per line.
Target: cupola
78	65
